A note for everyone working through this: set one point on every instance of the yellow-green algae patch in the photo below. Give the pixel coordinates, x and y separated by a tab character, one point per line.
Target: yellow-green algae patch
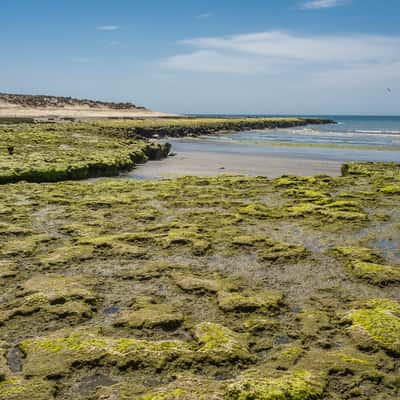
301	385
151	316
148	251
376	274
282	252
250	300
55	355
220	345
357	253
54	294
43	153
377	323
32	389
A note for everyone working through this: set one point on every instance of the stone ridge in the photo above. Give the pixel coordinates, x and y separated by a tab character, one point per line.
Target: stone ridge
40	101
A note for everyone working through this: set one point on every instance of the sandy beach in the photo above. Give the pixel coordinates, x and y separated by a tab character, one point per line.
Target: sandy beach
212	164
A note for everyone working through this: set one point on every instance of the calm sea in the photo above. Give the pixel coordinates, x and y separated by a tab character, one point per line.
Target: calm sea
379	138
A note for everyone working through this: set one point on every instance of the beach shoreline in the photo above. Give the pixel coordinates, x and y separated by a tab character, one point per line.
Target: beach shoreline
201	163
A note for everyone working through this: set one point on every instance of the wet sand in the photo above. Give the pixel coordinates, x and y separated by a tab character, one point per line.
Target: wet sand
211	163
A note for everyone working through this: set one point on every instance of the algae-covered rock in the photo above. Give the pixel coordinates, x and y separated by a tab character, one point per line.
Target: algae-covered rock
149	270
220	344
55	294
68	254
24	247
378	323
357	253
250	300
247	240
151	316
301	385
55	355
313	322
256	210
188	387
8	269
195	284
376	274
282	252
32	389
390	189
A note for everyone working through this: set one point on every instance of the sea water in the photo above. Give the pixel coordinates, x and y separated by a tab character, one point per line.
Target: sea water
352	138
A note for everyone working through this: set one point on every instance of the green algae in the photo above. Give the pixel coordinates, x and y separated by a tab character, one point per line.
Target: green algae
54	356
54	294
390	189
357	253
33	389
151	316
301	385
118	264
375	273
282	252
250	300
220	344
378	323
44	155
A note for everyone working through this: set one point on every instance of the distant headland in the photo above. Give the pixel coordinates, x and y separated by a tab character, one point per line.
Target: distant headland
59	107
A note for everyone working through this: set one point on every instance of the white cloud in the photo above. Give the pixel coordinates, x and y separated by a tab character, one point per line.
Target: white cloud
326	61
318	4
213	61
277	47
107	28
205	15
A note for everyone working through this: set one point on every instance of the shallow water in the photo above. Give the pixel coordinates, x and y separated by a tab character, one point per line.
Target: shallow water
314	149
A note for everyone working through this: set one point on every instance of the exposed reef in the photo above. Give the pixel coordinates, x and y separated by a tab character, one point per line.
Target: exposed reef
225	288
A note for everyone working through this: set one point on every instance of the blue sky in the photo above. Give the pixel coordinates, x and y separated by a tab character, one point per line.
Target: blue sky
227	56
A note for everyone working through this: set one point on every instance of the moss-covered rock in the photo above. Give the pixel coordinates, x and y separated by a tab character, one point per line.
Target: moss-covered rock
32	389
151	316
357	253
390	189
8	269
55	294
250	300
282	252
220	345
68	254
301	385
376	274
55	355
378	323
188	387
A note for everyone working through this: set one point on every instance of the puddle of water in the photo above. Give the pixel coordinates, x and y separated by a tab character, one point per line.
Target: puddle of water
111	310
389	246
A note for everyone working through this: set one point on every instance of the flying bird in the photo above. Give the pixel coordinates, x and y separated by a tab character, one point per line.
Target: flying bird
389	90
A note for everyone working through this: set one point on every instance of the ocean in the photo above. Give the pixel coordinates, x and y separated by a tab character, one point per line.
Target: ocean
352	138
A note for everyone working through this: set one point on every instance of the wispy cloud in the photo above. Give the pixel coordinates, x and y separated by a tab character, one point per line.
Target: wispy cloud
107	28
318	4
334	58
205	15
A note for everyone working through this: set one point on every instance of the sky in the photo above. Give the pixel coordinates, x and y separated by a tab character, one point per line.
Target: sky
313	57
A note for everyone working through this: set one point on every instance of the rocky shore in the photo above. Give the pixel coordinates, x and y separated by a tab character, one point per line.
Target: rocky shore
223	288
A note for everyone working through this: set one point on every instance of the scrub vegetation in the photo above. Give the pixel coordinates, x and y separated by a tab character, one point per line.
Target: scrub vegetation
231	287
